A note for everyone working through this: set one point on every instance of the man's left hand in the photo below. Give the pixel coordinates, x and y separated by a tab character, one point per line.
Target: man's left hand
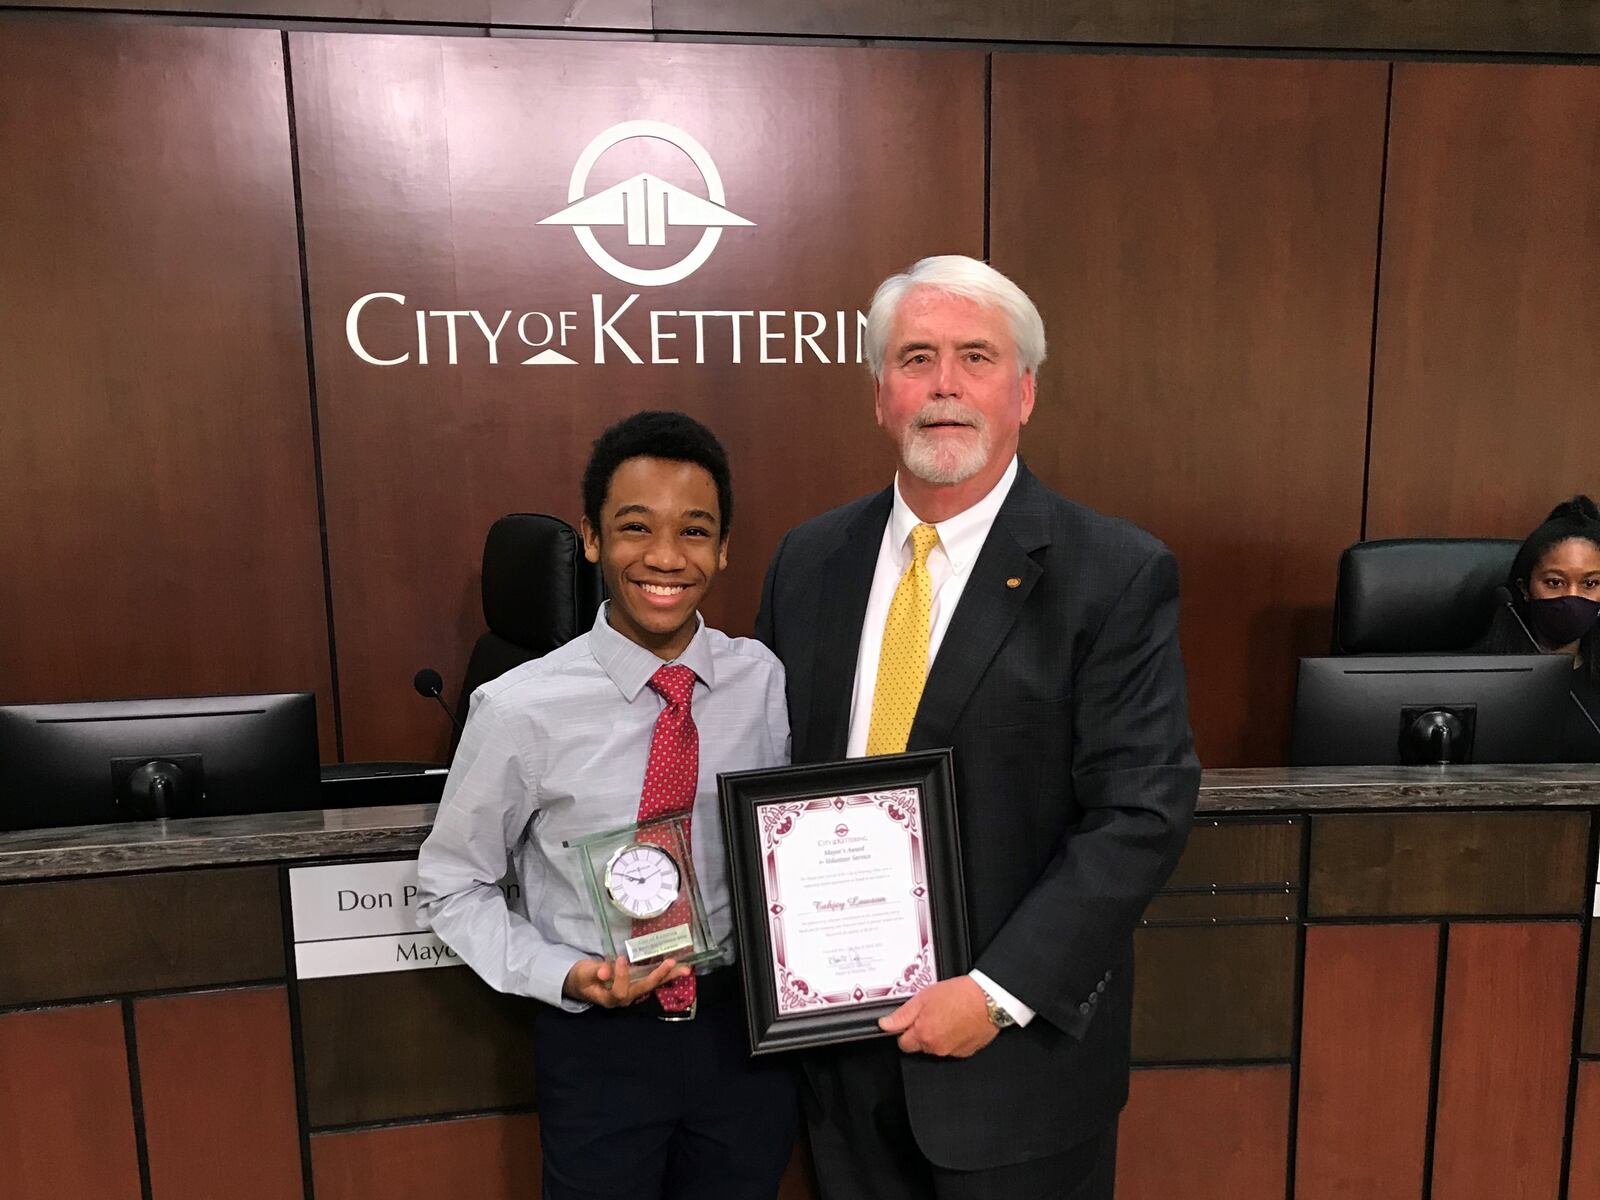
949	1019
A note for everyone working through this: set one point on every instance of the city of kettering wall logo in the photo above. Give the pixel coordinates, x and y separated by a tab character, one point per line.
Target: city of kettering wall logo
391	329
646	205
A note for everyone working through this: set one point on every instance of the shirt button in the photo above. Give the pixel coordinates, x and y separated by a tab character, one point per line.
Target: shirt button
1083	1010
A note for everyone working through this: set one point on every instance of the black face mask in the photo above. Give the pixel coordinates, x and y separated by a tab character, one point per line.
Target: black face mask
1562	620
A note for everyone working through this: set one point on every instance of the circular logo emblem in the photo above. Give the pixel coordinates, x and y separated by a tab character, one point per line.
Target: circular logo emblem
841	830
646	205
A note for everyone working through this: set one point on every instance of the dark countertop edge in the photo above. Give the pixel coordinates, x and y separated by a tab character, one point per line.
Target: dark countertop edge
312	837
1330	789
289	848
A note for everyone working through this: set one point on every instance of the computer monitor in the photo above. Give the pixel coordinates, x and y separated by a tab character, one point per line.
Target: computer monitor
1419	709
92	762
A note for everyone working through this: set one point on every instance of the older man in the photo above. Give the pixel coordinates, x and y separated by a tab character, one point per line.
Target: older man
967	605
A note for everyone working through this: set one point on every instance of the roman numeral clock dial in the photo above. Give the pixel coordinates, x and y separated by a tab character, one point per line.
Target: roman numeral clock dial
642	880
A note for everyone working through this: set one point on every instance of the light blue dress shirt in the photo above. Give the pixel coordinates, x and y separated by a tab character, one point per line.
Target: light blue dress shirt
555	750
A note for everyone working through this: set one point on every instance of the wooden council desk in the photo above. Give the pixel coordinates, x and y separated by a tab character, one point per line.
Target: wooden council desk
1366	982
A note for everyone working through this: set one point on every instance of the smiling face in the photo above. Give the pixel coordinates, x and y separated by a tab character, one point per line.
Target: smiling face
953	398
659	546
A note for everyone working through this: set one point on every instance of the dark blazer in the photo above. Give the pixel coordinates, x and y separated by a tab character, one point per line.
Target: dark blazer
1064	700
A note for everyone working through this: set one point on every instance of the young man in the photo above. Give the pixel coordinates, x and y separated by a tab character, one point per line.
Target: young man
644	1085
966	605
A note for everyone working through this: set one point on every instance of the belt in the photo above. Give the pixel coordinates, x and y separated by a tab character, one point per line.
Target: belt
716	988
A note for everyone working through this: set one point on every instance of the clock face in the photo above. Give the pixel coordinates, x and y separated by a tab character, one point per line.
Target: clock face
642	880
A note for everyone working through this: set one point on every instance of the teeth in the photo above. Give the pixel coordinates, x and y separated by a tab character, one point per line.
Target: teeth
662	589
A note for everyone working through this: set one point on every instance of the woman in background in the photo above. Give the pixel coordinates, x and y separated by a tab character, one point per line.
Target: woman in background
1555	589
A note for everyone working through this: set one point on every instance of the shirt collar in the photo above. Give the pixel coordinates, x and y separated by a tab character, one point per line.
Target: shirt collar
630	665
962	536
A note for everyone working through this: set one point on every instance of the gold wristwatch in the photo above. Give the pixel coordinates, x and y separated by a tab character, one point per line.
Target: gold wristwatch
998	1017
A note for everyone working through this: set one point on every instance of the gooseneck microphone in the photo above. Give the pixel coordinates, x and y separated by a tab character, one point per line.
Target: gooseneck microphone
1502	595
429	684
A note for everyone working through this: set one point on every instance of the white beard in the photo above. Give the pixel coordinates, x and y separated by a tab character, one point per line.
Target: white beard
935	458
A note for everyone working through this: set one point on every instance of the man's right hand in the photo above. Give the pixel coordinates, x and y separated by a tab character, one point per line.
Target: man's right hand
594	981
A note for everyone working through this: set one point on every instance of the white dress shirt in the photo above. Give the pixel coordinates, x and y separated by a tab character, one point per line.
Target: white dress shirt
949	567
556	749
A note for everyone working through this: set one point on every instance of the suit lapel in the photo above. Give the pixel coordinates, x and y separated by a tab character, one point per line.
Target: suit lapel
841	609
989	607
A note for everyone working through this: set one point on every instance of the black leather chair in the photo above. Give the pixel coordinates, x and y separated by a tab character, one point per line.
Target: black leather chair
539	592
1418	595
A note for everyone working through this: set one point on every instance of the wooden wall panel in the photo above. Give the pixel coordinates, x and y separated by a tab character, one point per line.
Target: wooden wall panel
66	1109
1223	906
1216	1134
216	1071
157	494
412	1044
1590	1041
1484	404
427	167
1583	1177
1201	236
487	1158
593	14
1366	1055
135	933
1214	993
1505	1054
1522	25
1449	864
1240	852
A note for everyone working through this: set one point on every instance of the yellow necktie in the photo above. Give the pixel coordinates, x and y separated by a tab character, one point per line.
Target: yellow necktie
903	661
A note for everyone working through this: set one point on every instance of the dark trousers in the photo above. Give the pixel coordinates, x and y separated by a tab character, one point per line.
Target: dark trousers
633	1106
863	1145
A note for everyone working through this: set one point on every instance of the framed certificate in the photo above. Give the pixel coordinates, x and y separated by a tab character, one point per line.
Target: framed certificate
847	893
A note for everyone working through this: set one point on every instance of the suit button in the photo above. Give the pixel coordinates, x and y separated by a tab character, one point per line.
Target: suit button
1100	987
1083	1010
1095	999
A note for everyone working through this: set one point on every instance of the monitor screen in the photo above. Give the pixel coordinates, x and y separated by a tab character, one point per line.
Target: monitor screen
127	760
1419	709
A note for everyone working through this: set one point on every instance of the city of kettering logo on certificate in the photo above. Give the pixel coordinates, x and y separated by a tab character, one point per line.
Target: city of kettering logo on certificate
646	205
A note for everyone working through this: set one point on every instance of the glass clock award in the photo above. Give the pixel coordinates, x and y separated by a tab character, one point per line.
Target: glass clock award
645	895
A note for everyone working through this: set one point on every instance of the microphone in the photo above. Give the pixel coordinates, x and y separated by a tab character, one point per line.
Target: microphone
1502	595
429	685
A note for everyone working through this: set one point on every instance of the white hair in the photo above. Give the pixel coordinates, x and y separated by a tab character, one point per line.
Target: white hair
956	275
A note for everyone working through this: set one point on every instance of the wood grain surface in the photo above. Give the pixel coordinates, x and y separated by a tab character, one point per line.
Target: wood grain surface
1504	1057
157	487
1201	236
1366	1060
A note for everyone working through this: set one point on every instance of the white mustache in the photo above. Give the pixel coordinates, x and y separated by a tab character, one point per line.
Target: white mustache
940	412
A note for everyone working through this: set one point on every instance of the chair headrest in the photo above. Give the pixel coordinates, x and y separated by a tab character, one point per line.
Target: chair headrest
538	590
1418	595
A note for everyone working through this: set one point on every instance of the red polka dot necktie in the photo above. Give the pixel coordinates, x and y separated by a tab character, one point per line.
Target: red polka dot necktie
671	778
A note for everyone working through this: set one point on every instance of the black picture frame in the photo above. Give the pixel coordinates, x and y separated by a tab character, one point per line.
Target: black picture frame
743	795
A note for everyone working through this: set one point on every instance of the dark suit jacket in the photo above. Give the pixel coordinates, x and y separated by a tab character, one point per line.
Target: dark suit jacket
1064	700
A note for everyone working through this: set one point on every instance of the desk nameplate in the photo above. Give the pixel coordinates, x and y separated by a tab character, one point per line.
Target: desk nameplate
361	919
